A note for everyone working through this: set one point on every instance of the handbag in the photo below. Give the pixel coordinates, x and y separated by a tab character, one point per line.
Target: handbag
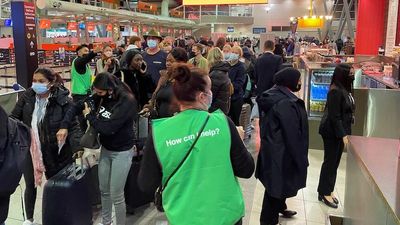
158	195
91	137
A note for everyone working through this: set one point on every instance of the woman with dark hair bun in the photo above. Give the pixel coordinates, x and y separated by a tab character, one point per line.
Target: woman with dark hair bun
334	128
43	107
206	153
162	103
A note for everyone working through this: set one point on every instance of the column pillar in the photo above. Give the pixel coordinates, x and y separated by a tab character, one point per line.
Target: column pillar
165	8
370	26
23	16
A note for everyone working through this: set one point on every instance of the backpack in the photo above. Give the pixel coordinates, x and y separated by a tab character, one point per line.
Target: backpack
14	155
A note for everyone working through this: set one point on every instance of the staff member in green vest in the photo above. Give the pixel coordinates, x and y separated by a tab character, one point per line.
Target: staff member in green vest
81	76
204	189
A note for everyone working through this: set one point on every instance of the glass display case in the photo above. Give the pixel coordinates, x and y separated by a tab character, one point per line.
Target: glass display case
319	83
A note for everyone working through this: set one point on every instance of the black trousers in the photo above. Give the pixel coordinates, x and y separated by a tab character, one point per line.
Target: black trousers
30	190
236	110
81	118
271	208
4	206
333	149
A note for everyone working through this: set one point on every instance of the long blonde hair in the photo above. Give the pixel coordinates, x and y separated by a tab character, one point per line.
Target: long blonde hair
215	56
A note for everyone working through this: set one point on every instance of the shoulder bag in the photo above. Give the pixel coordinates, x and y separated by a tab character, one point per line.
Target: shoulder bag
91	137
161	188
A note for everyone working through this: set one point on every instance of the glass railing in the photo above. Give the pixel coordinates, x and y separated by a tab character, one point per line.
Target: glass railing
194	12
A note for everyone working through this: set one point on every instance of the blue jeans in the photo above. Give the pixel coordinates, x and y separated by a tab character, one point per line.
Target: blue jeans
113	172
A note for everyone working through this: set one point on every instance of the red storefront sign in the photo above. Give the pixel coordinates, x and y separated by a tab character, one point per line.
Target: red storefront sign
44	24
109	27
90	26
72	26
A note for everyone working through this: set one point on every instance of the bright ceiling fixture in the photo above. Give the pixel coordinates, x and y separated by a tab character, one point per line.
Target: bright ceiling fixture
311	20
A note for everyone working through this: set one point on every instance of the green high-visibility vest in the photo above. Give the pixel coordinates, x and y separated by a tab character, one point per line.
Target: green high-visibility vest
204	190
80	83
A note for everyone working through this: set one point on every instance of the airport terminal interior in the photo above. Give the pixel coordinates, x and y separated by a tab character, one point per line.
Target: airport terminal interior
310	90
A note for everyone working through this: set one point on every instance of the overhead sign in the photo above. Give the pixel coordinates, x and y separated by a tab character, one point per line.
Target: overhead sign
259	30
72	26
90	26
223	2
230	29
310	23
109	27
8	23
44	24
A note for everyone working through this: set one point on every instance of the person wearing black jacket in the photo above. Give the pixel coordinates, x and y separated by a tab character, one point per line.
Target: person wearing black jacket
135	76
162	104
220	82
113	115
4	197
238	78
43	108
282	161
334	128
265	68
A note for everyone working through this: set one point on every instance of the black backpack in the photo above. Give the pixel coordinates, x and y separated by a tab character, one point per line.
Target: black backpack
12	159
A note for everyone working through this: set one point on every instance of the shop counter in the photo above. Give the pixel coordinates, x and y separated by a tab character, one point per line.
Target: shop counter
372	195
386	82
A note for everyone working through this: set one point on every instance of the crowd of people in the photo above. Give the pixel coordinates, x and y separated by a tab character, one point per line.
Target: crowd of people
192	93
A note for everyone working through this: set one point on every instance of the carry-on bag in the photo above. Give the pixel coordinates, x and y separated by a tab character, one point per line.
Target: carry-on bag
134	197
66	198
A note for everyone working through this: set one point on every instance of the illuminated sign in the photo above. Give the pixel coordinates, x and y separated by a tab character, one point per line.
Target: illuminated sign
230	29
223	2
109	27
72	26
310	23
259	30
8	23
90	26
44	24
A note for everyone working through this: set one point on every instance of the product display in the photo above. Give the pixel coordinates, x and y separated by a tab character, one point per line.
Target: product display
319	88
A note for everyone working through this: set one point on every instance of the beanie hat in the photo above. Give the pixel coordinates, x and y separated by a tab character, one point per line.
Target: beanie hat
288	77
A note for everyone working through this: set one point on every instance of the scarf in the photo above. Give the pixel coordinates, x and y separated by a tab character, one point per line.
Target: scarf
36	151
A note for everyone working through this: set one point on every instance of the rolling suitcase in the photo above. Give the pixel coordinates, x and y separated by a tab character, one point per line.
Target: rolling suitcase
134	197
66	198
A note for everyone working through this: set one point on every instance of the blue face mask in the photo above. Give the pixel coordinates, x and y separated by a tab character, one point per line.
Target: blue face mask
227	56
234	57
152	43
40	88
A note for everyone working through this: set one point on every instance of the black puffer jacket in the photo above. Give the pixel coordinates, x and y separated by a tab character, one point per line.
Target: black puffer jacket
220	86
54	119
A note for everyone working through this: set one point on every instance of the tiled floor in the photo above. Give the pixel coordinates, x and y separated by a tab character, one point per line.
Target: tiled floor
310	211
